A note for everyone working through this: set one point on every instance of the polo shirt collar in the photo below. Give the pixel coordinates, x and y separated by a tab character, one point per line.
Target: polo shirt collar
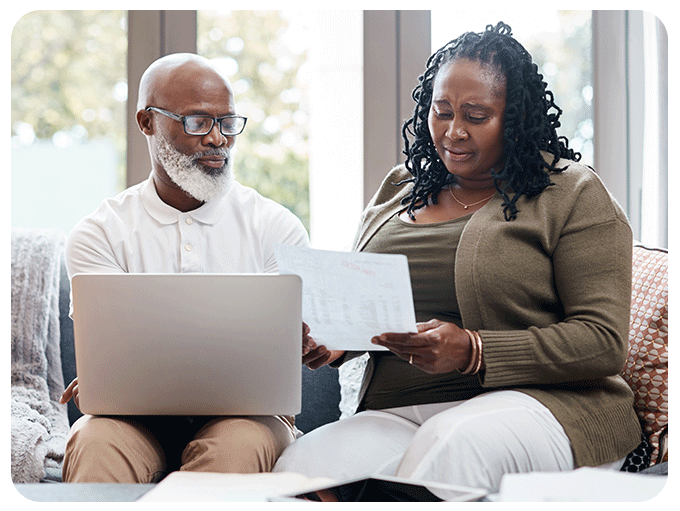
208	213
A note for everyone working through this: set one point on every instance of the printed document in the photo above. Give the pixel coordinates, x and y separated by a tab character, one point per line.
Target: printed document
350	297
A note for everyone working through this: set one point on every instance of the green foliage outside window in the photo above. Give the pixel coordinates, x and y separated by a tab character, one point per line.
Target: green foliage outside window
69	78
268	82
69	86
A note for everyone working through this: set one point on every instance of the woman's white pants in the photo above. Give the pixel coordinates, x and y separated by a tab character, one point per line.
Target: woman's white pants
469	443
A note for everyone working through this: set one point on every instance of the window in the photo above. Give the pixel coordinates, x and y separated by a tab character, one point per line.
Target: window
326	93
297	76
69	91
270	88
647	127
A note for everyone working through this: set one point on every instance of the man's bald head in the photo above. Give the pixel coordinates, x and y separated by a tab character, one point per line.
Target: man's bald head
177	73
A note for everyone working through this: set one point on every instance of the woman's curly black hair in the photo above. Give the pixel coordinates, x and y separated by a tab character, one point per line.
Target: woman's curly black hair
529	124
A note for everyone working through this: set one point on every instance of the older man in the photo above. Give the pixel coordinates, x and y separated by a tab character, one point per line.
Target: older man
188	216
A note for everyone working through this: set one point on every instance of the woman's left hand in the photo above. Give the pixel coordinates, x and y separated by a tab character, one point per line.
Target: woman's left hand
437	347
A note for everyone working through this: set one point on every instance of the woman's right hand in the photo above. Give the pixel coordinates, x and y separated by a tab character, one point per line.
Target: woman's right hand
314	356
71	392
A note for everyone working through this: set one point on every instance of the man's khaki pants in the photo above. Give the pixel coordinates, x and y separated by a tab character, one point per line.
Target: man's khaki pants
145	449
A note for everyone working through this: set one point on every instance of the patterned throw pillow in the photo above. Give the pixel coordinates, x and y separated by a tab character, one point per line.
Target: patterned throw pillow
646	369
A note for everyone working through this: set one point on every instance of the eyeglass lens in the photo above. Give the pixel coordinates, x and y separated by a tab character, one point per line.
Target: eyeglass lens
197	125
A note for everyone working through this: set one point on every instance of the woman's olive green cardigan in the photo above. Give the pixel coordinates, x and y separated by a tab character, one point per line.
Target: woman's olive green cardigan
550	294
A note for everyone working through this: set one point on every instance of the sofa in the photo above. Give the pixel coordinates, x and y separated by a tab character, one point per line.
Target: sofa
43	359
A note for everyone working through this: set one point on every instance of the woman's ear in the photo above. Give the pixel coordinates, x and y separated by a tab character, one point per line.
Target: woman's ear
144	122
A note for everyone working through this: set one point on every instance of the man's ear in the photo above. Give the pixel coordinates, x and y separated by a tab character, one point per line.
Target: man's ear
144	122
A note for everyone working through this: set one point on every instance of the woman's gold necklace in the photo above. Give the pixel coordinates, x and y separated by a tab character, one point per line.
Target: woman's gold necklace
466	206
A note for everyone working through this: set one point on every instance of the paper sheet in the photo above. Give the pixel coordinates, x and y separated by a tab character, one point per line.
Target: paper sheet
350	297
212	487
585	484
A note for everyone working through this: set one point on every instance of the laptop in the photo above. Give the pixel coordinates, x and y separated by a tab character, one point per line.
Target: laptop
188	344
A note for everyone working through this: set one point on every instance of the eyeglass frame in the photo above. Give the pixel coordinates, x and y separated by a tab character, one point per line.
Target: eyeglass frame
182	119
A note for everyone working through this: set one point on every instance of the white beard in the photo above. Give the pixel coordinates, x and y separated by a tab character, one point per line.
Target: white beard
202	183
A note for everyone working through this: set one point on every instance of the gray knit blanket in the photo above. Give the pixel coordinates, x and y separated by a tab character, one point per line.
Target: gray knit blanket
39	424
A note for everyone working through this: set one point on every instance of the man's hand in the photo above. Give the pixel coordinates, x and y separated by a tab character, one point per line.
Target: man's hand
314	356
71	392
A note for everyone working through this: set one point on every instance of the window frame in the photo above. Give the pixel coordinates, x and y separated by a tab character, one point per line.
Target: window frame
151	34
618	116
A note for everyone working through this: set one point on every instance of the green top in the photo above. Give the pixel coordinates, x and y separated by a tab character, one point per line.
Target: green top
431	253
549	293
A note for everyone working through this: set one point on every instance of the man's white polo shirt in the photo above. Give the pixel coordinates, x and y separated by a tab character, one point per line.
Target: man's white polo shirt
136	232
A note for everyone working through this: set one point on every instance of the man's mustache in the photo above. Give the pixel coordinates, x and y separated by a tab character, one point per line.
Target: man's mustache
212	152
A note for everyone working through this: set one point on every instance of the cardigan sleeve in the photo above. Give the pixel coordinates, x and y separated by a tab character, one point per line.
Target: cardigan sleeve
560	311
590	341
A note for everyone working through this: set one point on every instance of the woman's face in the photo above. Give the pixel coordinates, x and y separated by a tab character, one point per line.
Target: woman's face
466	120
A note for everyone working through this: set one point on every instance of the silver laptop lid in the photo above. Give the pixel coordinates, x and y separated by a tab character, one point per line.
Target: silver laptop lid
188	344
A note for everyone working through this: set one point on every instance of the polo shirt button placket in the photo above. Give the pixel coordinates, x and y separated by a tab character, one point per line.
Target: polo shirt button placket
189	259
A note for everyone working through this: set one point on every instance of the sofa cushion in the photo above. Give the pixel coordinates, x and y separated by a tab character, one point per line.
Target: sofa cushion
646	369
320	398
68	351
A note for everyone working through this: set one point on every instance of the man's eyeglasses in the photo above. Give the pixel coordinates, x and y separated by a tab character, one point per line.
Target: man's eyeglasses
230	125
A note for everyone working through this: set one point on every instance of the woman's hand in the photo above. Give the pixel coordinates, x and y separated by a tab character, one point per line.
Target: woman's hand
314	356
438	347
71	392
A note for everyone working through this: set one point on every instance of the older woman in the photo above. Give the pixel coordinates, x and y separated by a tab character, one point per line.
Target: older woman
520	263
